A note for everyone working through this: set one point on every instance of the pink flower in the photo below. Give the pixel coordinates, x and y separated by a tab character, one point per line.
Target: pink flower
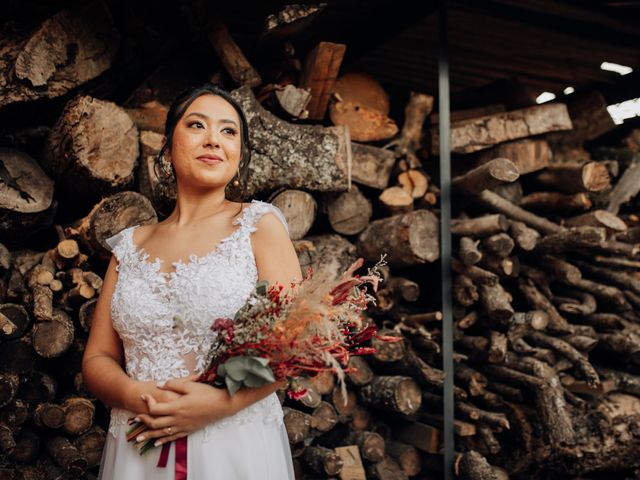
225	327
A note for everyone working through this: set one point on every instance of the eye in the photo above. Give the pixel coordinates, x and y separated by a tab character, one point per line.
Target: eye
196	124
230	131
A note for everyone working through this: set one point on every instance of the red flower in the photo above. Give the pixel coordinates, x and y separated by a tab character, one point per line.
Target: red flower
296	395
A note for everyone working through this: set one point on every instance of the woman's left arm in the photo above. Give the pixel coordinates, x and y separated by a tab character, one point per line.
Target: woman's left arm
276	262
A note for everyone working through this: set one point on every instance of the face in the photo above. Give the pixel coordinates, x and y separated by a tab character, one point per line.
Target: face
206	145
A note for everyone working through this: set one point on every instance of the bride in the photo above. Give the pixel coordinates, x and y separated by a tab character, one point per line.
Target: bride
164	286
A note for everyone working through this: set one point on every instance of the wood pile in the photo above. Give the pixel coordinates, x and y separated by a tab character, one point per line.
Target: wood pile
546	284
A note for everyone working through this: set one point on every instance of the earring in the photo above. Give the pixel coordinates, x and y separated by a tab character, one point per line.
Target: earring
166	167
236	181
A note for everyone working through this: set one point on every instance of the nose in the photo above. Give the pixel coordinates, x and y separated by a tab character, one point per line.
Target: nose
212	139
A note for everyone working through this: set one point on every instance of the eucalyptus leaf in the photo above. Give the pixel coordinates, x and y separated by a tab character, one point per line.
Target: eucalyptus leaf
254	381
237	367
261	287
262	371
232	385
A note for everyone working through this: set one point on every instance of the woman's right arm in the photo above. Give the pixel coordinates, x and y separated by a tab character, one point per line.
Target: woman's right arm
103	360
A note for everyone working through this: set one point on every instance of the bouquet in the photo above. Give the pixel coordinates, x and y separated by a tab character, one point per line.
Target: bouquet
281	334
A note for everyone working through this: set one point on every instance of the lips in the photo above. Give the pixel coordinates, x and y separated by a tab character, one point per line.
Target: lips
210	159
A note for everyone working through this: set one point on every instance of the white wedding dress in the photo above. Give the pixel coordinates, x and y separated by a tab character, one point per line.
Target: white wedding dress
164	322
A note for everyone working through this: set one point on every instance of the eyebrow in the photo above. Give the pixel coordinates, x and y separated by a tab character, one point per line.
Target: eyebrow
222	120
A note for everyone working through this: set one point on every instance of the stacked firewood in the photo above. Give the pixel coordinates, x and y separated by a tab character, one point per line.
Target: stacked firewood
546	284
47	417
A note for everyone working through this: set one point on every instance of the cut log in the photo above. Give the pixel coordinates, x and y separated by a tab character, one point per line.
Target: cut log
344	406
324	417
538	301
626	188
64	52
407	239
598	218
324	461
299	208
529	155
496	302
556	202
92	149
14	321
49	415
319	75
293	101
526	238
66	455
51	339
361	373
79	413
371	166
479	226
395	393
468	251
109	216
418	108
473	466
90	445
499	244
424	437
386	469
385	351
290	20
150	116
576	177
480	133
231	57
414	182
293	156
297	425
158	188
406	455
362	104
396	200
576	238
498	204
486	176
370	444
26	197
464	291
349	212
329	255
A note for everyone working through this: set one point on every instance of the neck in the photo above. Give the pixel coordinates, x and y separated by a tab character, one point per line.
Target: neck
194	204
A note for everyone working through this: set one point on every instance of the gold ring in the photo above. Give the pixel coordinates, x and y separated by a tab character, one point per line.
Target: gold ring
169	430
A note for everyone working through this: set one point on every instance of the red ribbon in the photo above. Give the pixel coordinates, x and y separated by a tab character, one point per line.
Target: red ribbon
181	457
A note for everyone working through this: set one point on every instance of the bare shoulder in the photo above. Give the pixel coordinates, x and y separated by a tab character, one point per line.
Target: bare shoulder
274	252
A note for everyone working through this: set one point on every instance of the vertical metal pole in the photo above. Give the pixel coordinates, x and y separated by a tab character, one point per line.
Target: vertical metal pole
445	237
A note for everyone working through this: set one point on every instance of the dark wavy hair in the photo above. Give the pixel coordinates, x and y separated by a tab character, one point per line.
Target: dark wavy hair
180	106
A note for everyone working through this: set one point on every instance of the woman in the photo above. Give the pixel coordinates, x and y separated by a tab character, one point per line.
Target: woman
152	321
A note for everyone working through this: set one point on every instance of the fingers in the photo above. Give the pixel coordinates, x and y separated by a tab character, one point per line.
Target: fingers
158	408
158	427
179	385
169	438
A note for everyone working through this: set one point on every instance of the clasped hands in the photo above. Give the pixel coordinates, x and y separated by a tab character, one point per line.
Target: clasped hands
183	406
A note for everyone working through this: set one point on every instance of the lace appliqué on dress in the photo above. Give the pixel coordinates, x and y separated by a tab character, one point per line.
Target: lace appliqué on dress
164	319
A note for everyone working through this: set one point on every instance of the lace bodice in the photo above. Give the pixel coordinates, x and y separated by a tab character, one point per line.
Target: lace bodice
164	319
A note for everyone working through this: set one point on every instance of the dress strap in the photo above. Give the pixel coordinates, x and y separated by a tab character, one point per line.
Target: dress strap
255	211
118	243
